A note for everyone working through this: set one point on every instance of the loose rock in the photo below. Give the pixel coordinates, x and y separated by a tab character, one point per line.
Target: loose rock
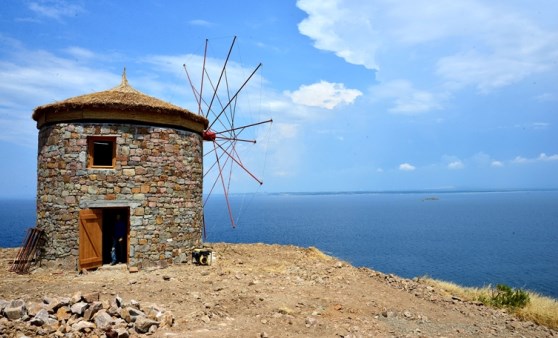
144	324
15	310
79	308
103	320
83	317
83	326
40	318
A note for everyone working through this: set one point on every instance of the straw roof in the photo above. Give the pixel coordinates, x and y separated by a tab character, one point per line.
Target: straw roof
121	103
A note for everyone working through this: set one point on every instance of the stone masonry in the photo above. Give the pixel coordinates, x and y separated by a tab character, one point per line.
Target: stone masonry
158	176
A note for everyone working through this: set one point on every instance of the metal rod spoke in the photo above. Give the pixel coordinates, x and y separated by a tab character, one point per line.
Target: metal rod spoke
236	94
214	163
220	103
240	164
235	139
202	76
246	126
194	91
225	191
221	76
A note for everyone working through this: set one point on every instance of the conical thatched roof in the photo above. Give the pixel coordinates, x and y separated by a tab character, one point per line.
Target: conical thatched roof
121	103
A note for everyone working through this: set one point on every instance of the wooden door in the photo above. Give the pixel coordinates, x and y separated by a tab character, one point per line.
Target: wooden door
90	238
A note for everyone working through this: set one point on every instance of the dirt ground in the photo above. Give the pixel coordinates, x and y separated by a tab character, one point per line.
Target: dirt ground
257	290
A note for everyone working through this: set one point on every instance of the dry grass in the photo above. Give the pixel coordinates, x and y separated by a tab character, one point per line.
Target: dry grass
315	252
540	309
467	293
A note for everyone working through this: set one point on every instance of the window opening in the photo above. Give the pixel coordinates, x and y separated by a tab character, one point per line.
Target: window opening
102	152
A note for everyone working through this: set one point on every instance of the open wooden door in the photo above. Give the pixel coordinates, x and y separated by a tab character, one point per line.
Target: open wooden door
90	238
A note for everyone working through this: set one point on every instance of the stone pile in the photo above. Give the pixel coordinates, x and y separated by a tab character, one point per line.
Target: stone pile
82	315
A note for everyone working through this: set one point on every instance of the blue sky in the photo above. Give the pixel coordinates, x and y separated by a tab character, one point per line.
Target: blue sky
365	95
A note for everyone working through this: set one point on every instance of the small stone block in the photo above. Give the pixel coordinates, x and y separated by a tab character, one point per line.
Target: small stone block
91	297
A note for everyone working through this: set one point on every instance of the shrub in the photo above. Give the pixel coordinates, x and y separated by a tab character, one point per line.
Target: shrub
505	296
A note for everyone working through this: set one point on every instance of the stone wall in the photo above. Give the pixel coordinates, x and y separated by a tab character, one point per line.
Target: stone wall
158	176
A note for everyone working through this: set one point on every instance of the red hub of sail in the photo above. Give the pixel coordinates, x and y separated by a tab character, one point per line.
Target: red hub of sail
209	135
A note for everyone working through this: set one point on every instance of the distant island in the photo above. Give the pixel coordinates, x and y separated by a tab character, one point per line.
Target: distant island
431	198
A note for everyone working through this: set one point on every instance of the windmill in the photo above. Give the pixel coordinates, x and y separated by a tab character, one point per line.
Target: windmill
218	103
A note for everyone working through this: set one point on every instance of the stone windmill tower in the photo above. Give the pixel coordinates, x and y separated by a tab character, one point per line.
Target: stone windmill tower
118	153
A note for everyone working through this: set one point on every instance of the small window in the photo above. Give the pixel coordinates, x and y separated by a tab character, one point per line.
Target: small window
102	152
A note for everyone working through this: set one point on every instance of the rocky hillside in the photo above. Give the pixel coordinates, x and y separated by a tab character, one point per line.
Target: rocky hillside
261	290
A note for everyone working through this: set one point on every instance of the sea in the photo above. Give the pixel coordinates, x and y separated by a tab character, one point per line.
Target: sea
472	238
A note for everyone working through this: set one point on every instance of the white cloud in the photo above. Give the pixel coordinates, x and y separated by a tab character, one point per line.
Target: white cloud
405	98
285	152
455	165
55	9
179	86
33	78
80	53
541	158
530	125
520	160
343	28
481	159
546	97
285	130
498	45
201	23
256	96
486	72
406	167
540	125
496	164
174	64
324	94
545	157
49	77
279	173
280	104
485	45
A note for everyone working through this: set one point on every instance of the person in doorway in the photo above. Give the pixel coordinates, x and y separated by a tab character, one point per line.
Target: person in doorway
117	252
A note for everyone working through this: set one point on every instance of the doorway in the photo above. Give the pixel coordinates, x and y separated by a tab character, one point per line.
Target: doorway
110	218
97	228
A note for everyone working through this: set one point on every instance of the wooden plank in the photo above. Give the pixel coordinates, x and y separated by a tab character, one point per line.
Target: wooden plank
90	238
